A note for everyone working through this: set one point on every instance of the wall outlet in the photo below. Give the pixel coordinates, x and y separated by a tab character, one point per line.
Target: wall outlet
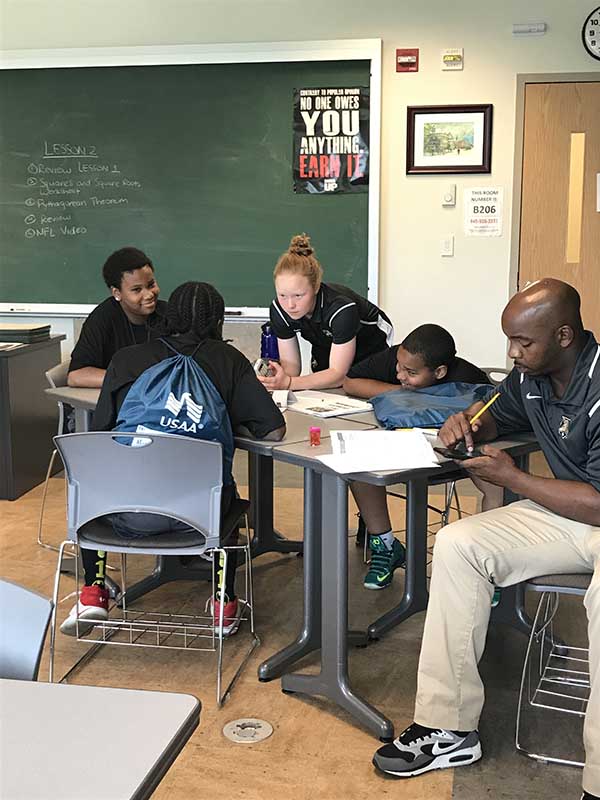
447	245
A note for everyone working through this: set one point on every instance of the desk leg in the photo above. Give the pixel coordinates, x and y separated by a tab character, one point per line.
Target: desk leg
415	595
333	682
265	539
309	638
83	419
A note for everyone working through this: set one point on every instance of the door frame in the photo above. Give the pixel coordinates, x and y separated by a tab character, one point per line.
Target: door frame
522	81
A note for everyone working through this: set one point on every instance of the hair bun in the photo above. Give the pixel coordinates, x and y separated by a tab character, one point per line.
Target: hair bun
300	245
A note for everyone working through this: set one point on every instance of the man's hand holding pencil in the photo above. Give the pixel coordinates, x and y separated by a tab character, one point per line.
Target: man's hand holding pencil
461	427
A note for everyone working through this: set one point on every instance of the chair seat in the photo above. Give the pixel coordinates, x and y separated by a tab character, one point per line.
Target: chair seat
565	583
99	533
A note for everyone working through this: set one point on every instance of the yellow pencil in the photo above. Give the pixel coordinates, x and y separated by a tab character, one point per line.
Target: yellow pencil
484	408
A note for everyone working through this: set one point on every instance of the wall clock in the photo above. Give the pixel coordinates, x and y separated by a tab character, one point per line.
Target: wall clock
590	34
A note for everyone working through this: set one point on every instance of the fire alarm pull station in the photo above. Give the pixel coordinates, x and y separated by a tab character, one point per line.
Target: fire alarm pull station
407	60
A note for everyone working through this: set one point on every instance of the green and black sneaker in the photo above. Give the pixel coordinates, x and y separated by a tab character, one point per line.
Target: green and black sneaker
383	563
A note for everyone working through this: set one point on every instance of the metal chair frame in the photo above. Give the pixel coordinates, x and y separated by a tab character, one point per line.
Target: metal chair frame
555	676
141	627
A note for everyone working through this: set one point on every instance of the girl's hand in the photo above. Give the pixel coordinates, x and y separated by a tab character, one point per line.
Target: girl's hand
279	380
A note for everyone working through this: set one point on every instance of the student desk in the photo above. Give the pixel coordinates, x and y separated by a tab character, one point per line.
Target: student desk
325	620
48	753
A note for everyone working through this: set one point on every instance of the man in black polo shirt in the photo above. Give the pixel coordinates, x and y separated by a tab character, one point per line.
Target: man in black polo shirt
554	391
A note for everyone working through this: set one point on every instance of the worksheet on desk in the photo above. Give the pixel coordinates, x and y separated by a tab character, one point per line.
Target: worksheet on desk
375	451
325	404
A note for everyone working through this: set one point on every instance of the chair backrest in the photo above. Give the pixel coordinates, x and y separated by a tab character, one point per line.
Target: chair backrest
170	475
496	374
57	376
24	618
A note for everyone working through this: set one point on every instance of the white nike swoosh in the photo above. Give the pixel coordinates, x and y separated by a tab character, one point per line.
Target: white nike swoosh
533	396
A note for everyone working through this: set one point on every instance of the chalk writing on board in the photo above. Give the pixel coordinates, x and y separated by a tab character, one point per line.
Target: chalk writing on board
68	150
76	178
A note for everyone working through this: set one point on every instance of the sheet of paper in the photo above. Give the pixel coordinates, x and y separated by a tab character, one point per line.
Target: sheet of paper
11	345
368	451
324	404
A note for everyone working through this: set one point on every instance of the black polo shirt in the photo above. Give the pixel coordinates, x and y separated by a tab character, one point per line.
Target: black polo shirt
245	398
382	367
340	314
108	329
567	428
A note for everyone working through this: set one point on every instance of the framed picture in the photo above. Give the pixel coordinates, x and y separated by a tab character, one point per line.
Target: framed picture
446	139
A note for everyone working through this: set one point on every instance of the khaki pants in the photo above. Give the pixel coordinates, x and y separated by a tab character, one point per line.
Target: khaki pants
499	547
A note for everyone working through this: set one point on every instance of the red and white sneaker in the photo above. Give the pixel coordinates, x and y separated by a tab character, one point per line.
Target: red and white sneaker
92	605
232	613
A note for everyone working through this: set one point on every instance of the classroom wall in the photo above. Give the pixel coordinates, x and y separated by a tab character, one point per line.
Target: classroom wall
467	292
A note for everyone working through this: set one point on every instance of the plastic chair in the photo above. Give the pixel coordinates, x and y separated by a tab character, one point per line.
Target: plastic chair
57	376
24	618
555	675
164	474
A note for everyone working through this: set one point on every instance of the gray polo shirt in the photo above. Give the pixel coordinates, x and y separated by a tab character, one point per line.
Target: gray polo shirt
567	428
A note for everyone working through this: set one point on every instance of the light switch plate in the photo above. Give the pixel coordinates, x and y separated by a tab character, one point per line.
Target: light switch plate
447	245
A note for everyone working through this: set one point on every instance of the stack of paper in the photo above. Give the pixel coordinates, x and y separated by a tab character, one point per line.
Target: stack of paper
376	451
24	332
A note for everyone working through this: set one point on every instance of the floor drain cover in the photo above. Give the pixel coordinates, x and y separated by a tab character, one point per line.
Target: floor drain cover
247	731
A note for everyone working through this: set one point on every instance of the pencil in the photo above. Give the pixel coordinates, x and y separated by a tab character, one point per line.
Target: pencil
484	408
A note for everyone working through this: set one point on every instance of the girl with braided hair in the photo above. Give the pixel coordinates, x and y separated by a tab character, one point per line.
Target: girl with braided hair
194	320
342	327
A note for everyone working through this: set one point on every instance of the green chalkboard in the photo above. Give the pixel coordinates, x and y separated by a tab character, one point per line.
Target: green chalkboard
190	163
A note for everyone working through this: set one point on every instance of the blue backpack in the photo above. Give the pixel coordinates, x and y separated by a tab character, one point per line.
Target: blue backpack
177	396
426	408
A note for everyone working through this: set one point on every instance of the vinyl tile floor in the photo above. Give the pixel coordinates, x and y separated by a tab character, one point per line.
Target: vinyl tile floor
316	750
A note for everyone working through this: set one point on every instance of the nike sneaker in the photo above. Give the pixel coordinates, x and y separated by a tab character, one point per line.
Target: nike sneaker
419	749
383	563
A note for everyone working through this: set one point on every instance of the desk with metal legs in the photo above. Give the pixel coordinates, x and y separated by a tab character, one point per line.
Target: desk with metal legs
325	618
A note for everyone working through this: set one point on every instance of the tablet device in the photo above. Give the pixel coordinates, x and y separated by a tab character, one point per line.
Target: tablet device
458	454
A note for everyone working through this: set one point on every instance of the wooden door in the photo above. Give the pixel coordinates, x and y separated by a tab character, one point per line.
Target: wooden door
560	220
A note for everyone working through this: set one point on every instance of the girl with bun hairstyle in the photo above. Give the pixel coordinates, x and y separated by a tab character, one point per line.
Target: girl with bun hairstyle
342	327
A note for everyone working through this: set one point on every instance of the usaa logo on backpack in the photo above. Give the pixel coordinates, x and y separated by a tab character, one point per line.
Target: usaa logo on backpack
177	396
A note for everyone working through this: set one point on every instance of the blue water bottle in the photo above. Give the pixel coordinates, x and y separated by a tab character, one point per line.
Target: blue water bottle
268	343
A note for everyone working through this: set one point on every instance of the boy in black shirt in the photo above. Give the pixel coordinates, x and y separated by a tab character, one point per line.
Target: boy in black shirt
426	357
131	315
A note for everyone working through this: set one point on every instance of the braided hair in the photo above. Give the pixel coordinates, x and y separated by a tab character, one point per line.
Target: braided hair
300	259
196	308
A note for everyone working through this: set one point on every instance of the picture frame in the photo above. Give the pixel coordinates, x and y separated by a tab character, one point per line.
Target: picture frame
448	139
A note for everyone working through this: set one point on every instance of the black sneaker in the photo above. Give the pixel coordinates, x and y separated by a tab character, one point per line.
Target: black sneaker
419	749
